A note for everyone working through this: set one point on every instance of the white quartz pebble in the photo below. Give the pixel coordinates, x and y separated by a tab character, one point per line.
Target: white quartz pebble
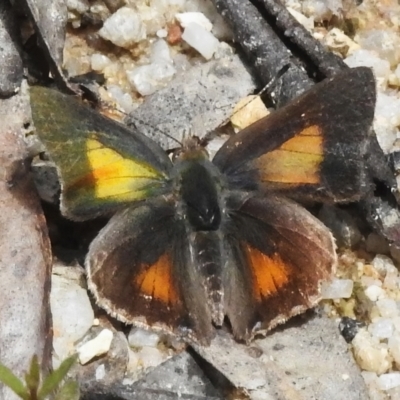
201	40
124	28
95	347
337	289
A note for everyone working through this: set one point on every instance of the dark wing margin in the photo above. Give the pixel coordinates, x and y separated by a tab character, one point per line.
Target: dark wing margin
313	148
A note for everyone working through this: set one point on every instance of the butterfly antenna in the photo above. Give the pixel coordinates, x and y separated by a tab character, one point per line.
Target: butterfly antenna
124	113
157	130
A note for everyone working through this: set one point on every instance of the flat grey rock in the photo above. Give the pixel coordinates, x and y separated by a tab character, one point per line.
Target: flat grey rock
195	102
303	361
178	378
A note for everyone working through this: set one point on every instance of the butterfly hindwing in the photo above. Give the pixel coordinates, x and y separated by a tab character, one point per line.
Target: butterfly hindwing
102	164
280	255
140	270
313	148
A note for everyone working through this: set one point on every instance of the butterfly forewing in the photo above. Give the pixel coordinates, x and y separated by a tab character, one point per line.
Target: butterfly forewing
313	148
102	164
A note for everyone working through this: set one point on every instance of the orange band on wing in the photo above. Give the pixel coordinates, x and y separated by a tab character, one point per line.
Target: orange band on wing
297	161
157	282
269	273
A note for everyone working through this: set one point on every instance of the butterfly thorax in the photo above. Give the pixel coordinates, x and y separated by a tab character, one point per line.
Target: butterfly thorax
198	183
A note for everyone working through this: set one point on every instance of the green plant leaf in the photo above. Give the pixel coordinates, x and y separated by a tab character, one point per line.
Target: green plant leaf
53	380
13	382
32	377
69	391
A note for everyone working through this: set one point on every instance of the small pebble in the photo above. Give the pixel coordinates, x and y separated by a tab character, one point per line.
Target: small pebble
370	59
150	357
201	40
140	337
381	328
194	17
160	52
374	292
337	289
388	308
124	28
100	372
72	313
381	263
389	381
99	62
147	79
370	355
95	347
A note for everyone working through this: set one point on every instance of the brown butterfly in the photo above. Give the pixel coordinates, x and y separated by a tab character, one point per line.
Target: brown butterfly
194	242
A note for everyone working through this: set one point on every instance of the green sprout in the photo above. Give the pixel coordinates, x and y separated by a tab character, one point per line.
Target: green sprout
35	388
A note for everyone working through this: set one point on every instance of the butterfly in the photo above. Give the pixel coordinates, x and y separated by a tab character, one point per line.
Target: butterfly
194	243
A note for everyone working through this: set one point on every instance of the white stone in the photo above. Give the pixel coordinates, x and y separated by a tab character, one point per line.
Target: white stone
387	120
388	308
140	337
100	9
99	61
95	347
147	79
369	377
370	59
381	328
72	314
316	8
370	354
162	33
389	381
374	292
150	357
124	100
77	65
133	362
388	107
100	372
124	28
370	281
201	40
80	6
160	52
337	289
385	43
198	18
